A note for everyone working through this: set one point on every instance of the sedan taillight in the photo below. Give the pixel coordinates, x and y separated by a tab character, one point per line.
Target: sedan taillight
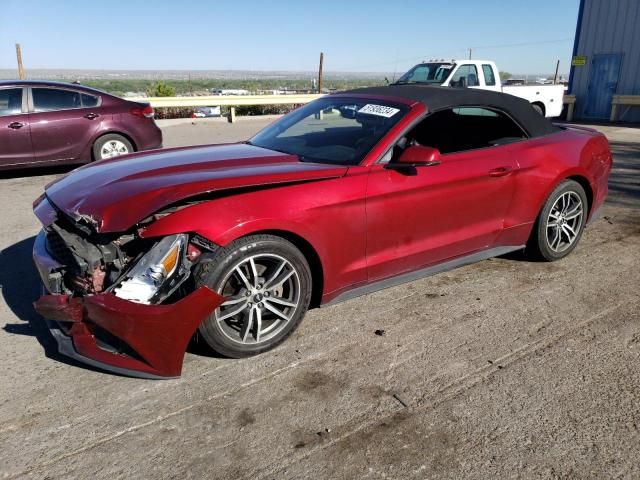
146	112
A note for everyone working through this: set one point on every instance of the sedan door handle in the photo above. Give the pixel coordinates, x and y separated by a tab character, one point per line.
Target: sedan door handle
91	116
16	125
500	171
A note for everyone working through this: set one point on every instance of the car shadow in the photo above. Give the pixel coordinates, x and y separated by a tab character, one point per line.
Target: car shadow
37	171
20	285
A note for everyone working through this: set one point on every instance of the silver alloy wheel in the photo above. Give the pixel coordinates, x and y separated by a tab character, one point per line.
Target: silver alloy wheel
262	295
113	148
564	221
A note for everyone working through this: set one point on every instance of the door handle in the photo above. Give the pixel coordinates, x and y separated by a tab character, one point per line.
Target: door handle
500	171
16	125
91	116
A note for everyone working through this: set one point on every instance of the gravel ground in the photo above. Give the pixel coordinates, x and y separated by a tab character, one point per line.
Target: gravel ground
502	369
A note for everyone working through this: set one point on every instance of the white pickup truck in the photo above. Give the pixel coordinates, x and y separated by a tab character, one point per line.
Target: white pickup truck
483	74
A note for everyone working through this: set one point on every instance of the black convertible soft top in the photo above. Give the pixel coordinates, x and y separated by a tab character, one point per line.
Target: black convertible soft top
437	98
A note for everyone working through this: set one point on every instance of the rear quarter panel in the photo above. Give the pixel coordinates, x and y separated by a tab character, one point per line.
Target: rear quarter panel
143	132
545	162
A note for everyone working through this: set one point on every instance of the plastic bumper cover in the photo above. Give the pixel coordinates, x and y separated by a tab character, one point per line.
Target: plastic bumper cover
155	336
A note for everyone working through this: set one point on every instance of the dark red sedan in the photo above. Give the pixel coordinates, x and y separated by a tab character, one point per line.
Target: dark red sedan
47	123
351	193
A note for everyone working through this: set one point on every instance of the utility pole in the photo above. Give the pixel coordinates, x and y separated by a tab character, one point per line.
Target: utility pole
320	73
470	52
555	77
19	57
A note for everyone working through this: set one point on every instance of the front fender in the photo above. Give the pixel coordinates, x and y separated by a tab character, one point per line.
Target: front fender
328	215
222	224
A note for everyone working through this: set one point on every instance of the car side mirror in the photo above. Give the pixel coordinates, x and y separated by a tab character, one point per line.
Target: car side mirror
418	155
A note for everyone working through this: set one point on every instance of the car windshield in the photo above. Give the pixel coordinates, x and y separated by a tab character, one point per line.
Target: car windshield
435	72
332	129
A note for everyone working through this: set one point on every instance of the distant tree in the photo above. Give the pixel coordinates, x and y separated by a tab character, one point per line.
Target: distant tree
161	89
505	75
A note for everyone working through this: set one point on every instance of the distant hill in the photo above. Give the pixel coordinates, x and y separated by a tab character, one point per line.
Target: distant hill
80	74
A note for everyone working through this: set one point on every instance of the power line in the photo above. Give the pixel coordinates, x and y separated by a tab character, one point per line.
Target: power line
525	44
459	51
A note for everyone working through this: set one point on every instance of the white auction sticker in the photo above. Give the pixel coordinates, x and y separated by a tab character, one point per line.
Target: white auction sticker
379	110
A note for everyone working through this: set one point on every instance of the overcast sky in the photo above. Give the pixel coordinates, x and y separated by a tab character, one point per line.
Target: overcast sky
356	35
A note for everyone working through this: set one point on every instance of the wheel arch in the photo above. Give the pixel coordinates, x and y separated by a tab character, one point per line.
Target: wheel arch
310	254
541	105
576	176
112	132
586	185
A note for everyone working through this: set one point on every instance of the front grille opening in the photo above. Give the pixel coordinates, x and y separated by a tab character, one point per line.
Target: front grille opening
59	249
112	344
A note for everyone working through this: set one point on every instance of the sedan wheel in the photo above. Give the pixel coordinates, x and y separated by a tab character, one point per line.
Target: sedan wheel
560	223
266	283
113	148
111	145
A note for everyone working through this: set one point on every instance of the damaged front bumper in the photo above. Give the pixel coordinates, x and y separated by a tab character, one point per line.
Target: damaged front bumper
102	330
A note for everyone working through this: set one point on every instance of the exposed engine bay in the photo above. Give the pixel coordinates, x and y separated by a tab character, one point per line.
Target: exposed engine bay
133	268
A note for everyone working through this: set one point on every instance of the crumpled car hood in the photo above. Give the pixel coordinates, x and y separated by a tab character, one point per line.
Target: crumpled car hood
115	194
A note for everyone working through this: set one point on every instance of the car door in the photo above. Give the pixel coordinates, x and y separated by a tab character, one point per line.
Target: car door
430	214
15	136
61	125
465	75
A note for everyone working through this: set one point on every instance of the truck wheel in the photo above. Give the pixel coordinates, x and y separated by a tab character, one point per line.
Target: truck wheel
266	282
538	108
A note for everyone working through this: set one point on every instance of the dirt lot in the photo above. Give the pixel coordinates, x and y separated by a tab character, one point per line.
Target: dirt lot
503	369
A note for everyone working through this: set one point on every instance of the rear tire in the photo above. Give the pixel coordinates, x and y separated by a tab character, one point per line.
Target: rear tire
266	282
560	223
111	145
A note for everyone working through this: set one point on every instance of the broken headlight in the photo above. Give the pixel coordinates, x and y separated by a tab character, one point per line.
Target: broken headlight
158	273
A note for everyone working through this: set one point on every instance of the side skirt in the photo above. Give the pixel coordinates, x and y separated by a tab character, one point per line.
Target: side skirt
422	273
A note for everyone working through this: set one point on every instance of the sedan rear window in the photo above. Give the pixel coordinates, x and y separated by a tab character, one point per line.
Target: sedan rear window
10	101
47	99
90	100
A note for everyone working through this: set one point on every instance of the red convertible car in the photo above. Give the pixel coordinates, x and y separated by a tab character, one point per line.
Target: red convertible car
351	193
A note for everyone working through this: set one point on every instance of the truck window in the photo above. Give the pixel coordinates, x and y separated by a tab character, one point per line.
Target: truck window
426	73
489	77
465	76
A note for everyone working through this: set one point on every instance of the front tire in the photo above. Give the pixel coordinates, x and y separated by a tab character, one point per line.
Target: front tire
111	145
560	223
266	282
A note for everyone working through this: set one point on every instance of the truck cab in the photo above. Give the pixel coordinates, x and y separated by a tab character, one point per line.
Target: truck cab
484	74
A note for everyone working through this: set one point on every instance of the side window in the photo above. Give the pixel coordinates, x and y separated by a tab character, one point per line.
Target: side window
466	128
47	99
489	77
89	100
465	76
475	112
10	101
